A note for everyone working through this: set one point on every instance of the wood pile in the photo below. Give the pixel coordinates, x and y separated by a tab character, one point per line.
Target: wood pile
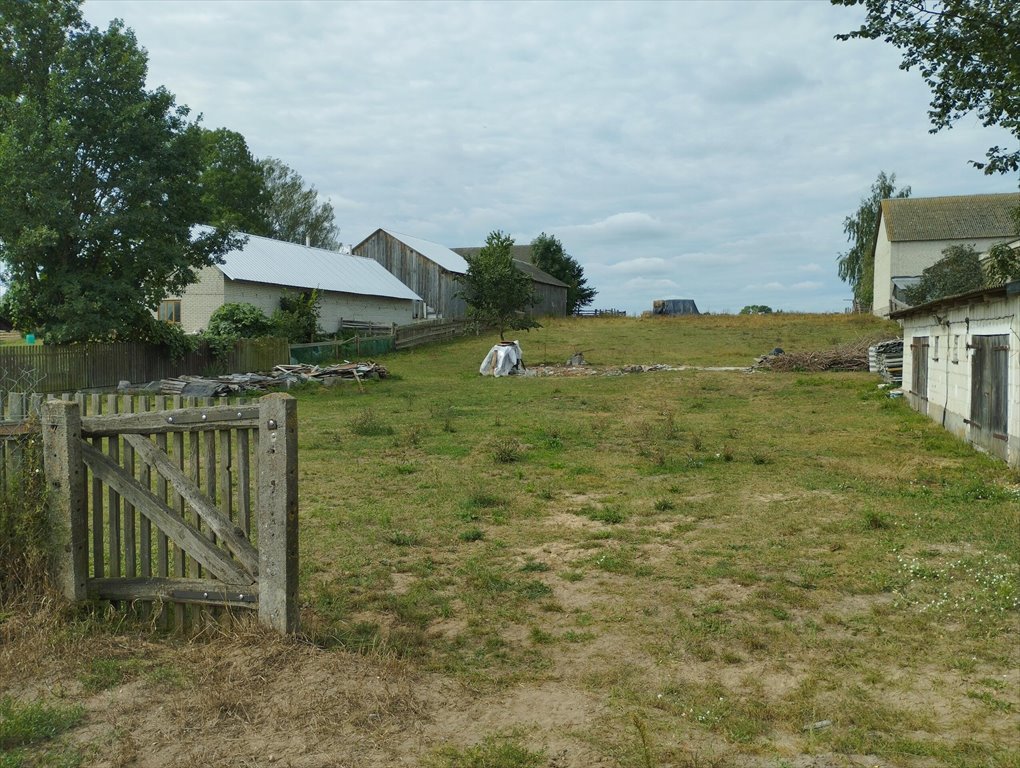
282	376
845	357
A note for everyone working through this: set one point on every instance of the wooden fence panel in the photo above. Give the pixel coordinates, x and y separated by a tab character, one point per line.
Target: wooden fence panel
50	369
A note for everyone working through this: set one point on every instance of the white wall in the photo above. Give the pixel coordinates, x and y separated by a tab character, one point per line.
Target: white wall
213	290
349	306
949	362
910	259
200	299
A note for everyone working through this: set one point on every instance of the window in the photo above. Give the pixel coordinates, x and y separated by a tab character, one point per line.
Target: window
935	349
170	311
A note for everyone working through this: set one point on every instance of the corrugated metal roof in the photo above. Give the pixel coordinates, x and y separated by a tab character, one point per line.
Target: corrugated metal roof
443	256
537	275
959	217
264	260
520	252
522	260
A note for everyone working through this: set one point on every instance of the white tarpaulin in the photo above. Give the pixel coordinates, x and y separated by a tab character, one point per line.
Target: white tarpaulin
504	359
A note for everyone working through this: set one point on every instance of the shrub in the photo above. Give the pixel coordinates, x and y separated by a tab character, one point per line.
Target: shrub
239	321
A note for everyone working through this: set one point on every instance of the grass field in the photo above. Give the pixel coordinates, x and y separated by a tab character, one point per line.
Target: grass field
671	568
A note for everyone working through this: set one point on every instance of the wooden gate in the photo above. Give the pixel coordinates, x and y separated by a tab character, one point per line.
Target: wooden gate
157	507
989	412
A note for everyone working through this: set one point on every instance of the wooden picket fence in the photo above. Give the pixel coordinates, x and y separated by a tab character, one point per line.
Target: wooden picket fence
178	508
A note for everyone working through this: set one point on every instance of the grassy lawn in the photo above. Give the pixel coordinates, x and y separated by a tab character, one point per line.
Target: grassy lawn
670	568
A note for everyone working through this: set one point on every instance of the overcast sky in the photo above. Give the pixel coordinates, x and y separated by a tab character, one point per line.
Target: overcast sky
704	150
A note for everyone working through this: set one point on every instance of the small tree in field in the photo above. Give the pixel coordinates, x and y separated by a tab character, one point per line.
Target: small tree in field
496	292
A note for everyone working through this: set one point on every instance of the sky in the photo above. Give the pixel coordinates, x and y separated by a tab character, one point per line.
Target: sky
701	150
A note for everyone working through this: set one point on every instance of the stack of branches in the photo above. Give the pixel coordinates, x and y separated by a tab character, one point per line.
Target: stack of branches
852	356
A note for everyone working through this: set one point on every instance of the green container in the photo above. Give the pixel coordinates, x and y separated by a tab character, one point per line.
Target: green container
30	338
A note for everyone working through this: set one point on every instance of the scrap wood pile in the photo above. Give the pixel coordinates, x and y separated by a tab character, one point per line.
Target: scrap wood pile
282	376
845	357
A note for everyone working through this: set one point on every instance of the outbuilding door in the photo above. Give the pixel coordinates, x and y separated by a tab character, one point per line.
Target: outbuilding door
919	377
988	393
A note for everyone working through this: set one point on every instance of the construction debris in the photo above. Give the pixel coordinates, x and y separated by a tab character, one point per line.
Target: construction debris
282	376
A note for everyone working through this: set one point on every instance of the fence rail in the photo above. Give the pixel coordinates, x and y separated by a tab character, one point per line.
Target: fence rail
599	313
48	369
416	334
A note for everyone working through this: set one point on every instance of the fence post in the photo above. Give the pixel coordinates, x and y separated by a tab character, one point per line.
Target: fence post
278	513
65	480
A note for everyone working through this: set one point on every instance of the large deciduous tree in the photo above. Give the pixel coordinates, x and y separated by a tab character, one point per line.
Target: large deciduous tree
233	184
547	254
496	292
857	265
294	211
98	179
967	51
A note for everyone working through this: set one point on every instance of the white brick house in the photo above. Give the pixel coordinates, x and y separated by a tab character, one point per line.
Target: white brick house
263	270
961	366
912	232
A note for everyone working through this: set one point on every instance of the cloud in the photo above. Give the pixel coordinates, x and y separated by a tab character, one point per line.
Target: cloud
639	266
664	169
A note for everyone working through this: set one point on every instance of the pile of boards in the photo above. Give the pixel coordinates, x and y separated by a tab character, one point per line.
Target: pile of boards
281	377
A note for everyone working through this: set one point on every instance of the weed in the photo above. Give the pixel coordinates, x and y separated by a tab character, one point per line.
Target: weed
760	458
368	424
727	453
670	429
102	674
609	515
415	434
491	752
471	534
401	539
24	534
875	521
506	450
541	637
646	750
665	505
534	566
697	443
29	723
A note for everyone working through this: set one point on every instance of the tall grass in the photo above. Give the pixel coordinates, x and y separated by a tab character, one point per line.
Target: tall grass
23	522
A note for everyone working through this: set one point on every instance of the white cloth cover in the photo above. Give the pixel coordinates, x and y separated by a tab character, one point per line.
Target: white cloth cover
503	359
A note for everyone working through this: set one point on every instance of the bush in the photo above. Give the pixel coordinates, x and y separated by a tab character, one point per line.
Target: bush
239	321
297	319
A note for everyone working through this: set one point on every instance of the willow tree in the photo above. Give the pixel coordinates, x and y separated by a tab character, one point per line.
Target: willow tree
857	265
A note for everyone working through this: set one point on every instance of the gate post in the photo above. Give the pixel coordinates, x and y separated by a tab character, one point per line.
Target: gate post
278	513
65	481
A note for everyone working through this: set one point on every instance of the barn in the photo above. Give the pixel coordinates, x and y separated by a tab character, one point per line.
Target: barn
263	270
961	366
432	270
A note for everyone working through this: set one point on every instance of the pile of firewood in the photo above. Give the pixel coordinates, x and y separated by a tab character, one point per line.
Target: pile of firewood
845	357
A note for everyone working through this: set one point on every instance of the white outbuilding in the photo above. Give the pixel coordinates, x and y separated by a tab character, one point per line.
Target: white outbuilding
262	270
961	366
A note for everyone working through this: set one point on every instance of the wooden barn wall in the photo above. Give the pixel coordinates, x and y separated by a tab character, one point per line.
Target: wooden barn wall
552	300
423	276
